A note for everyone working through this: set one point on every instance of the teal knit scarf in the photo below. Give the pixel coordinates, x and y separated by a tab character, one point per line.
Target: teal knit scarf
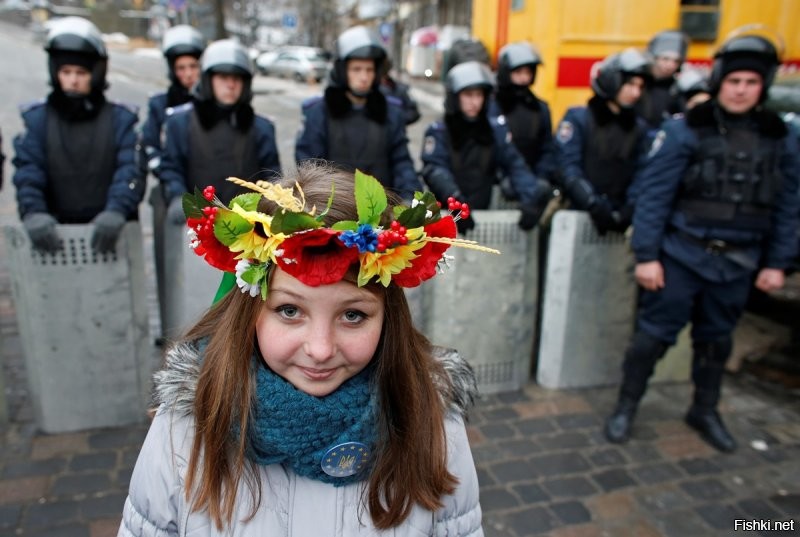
290	427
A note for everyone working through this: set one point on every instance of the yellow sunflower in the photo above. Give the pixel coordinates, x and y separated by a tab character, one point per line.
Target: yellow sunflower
252	244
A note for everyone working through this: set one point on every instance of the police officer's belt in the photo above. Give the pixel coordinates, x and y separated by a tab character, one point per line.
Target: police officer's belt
713	246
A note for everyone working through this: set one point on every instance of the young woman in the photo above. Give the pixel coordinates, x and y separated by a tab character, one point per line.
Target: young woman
308	404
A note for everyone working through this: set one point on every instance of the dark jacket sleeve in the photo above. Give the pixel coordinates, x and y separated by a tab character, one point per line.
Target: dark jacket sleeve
410	110
30	161
128	184
268	158
782	241
569	142
312	140
404	175
151	132
174	158
436	170
514	166
658	183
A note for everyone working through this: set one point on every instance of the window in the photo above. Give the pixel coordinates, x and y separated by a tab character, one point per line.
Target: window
700	19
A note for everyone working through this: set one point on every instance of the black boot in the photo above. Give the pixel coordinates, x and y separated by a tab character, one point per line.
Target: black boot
618	425
708	423
708	367
640	360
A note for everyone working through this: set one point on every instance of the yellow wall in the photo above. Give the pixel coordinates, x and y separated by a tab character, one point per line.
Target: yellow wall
586	29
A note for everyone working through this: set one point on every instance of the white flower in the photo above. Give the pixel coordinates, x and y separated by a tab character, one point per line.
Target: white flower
241	268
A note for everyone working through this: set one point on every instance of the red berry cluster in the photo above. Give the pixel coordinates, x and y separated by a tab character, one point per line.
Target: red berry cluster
455	205
209	192
394	236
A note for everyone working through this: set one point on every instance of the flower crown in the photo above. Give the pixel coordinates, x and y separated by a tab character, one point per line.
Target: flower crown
242	240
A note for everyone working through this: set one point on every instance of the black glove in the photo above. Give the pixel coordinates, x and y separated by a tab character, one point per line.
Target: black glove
602	215
623	218
175	214
107	226
530	216
41	228
465	224
581	193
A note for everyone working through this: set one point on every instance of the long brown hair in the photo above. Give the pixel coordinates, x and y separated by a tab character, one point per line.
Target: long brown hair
410	462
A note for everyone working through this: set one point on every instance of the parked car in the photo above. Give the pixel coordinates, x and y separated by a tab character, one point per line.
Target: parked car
301	63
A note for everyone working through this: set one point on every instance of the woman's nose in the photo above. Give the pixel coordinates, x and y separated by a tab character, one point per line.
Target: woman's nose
320	344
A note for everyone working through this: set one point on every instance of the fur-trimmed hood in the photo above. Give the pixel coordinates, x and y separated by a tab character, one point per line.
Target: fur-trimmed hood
709	114
176	383
339	105
603	115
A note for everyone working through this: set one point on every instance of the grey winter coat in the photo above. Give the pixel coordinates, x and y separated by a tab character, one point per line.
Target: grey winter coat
291	505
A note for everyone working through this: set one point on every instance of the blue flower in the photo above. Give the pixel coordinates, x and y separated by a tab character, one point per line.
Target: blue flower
364	238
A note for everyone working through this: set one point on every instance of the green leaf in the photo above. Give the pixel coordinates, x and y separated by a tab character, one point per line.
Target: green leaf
345	225
228	226
254	274
193	204
287	222
248	202
414	217
429	201
370	199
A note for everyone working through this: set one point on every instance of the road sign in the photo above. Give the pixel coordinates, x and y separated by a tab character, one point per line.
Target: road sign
289	20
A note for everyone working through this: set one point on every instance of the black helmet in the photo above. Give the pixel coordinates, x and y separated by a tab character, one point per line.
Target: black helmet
181	40
669	41
467	75
358	42
692	81
745	53
513	56
613	71
224	56
75	40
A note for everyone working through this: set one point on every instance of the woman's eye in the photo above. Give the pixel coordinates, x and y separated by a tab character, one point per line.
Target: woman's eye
287	311
353	316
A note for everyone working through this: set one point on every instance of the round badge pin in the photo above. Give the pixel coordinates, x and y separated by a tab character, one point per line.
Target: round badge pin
345	459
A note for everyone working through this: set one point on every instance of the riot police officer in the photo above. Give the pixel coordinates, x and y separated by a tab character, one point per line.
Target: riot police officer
597	146
218	134
182	47
354	125
463	152
76	161
718	206
527	116
668	50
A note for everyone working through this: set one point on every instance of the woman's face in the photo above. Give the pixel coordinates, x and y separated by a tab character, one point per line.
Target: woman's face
318	337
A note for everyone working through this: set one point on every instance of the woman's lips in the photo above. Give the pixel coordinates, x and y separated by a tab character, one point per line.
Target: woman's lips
317	374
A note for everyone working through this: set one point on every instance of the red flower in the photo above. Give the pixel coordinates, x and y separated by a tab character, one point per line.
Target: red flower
423	267
316	257
216	254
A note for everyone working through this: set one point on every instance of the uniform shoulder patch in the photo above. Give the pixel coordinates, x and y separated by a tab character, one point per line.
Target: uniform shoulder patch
30	105
657	143
429	145
565	132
